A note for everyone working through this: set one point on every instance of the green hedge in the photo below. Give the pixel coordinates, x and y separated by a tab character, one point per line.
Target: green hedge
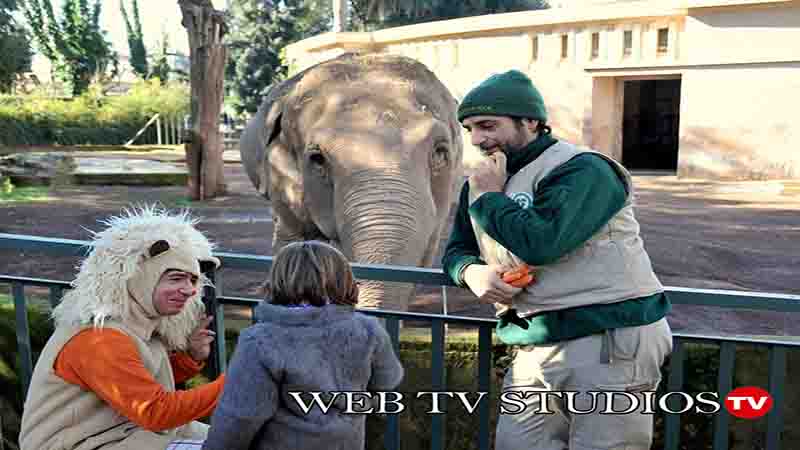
701	368
696	431
89	119
11	400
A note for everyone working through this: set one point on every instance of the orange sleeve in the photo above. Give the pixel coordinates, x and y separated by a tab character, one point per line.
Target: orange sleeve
184	366
106	362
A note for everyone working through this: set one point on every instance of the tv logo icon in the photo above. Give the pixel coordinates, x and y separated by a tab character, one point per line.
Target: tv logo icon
748	402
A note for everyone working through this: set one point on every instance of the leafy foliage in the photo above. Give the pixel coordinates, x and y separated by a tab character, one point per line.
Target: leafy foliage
156	64
75	43
91	118
367	15
40	327
135	39
14	46
259	31
23	194
160	67
256	41
701	367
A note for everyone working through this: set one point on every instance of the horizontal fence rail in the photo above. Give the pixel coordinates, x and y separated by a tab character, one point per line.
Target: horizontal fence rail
777	348
677	295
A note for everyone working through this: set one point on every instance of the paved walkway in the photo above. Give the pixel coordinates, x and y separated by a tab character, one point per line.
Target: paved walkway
700	234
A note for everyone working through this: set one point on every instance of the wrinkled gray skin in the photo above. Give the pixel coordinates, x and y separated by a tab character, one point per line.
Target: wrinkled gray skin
363	152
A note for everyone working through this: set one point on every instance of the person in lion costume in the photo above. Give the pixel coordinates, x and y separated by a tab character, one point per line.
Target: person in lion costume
131	328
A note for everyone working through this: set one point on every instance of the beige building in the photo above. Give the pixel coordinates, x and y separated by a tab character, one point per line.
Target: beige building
704	88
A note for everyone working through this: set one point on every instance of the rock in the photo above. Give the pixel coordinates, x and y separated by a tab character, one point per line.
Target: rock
25	169
128	172
61	169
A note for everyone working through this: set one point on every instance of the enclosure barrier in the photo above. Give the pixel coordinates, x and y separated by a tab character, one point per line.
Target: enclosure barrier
707	297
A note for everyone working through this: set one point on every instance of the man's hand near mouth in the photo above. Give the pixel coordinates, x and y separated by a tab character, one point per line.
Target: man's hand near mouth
490	175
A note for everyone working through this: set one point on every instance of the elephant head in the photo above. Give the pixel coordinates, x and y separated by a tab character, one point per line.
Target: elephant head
363	152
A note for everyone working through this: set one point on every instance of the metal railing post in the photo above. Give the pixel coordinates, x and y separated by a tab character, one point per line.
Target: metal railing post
217	359
438	382
391	439
484	383
727	357
23	337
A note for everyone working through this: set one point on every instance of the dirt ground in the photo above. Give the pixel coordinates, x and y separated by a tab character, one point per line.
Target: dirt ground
739	236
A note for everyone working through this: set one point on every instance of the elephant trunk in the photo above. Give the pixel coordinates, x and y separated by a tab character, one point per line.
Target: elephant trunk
387	220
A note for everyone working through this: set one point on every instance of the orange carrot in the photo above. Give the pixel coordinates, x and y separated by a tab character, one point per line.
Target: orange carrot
522	282
520	276
512	275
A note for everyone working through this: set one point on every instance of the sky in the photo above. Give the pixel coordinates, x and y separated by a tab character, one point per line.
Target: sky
157	16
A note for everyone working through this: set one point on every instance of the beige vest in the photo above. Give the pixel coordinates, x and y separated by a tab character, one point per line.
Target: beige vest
610	267
62	416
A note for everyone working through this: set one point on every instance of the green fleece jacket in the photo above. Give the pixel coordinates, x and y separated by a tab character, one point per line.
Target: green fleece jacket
570	205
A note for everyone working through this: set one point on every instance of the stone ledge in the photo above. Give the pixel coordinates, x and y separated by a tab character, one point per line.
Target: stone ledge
136	179
107	171
54	168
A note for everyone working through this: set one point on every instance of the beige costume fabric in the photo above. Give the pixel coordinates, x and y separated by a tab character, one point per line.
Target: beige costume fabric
114	289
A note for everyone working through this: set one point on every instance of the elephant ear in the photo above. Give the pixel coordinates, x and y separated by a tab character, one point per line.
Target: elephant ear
253	148
262	135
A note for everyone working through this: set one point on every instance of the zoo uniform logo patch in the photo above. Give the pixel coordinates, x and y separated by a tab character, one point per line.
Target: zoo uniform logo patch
523	199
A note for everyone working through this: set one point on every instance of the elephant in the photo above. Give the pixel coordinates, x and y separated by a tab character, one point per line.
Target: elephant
363	152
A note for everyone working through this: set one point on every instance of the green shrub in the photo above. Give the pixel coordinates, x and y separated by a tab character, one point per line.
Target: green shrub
11	400
10	193
461	374
91	118
461	428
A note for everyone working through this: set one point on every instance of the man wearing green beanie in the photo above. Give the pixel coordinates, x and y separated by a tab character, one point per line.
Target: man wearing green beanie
591	315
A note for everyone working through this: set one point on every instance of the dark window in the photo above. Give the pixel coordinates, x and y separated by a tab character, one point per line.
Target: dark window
595	45
564	46
535	48
628	43
663	40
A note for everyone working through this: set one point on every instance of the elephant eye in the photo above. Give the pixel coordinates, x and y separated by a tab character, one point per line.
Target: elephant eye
440	158
317	163
316	158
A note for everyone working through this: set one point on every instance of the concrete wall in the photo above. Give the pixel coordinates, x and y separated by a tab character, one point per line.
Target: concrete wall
738	61
740	122
761	33
740	94
607	108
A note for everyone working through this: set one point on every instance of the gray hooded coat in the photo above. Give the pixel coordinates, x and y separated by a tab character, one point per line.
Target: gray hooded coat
326	349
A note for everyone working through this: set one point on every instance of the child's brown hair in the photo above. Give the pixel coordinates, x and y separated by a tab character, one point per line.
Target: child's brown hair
311	272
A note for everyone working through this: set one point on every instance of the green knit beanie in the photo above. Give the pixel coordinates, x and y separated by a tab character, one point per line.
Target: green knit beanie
506	94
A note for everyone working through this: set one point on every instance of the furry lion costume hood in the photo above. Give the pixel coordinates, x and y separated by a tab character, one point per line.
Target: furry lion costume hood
122	270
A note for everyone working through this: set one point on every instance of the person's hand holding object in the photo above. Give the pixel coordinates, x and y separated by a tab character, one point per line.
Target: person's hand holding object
521	276
486	283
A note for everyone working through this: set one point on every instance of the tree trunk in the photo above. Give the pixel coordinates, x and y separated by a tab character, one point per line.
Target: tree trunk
340	11
205	27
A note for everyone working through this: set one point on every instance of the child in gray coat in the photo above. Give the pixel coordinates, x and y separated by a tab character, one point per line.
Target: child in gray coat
307	339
